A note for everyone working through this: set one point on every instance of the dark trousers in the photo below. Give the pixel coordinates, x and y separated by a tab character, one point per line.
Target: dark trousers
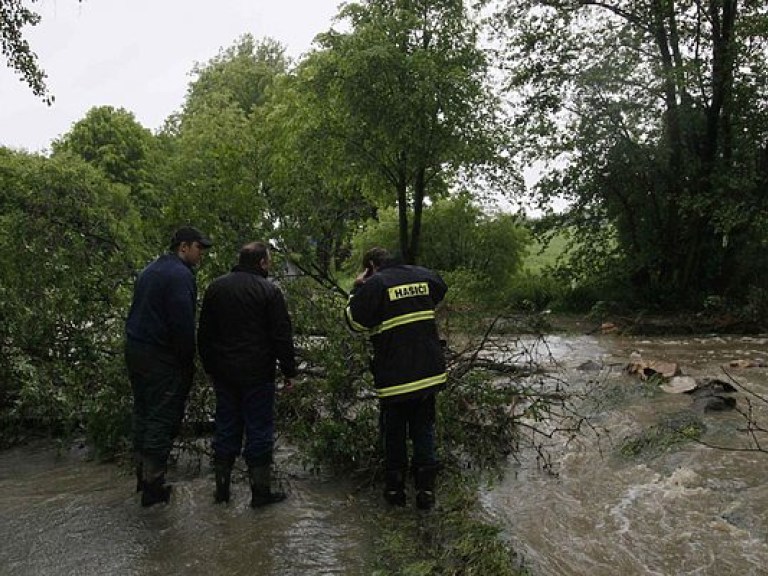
160	387
414	419
244	407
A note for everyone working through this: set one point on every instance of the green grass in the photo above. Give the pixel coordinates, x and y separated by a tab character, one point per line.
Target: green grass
539	257
454	540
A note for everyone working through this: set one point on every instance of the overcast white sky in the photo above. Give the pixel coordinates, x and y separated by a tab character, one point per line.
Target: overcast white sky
137	54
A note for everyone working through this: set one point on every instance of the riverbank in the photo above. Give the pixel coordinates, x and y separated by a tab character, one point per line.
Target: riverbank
643	323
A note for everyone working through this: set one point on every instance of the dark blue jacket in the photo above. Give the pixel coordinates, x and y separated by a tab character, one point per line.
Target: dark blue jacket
162	313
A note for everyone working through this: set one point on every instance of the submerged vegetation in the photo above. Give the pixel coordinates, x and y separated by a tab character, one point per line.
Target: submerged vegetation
673	431
446	542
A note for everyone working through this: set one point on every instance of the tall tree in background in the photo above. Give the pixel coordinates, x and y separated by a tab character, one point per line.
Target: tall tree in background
213	169
112	140
406	95
312	192
243	73
658	113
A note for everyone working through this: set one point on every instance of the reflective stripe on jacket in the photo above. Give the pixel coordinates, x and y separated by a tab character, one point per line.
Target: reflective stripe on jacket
396	308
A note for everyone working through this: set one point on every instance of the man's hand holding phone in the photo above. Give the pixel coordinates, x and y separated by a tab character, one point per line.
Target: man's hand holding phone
363	276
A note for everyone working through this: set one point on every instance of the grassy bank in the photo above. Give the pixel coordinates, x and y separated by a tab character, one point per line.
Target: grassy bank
454	539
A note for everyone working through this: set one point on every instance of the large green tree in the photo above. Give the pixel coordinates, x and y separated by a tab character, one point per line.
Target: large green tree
242	73
249	159
110	139
213	172
68	250
653	116
127	153
312	192
406	95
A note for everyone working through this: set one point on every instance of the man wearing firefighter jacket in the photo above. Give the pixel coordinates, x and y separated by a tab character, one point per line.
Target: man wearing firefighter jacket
395	304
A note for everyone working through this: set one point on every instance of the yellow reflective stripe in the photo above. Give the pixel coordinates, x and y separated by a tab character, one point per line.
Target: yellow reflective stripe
354	325
412	386
404	319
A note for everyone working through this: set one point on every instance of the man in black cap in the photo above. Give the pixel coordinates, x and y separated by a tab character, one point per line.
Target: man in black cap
159	355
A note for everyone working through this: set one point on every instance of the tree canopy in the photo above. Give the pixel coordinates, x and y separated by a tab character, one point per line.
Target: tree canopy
652	119
656	126
406	94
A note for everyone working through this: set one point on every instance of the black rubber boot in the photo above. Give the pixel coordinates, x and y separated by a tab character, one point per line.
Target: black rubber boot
394	487
261	486
223	470
154	489
424	480
139	474
155	492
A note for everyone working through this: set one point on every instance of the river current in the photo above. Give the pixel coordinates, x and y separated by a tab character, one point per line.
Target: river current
678	510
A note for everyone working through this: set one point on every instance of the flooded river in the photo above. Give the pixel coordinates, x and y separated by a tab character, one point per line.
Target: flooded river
681	510
60	514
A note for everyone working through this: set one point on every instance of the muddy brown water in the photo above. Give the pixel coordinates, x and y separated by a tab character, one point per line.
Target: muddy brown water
62	514
684	510
688	510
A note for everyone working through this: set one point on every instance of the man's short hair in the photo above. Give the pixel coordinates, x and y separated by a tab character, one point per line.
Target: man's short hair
377	255
253	253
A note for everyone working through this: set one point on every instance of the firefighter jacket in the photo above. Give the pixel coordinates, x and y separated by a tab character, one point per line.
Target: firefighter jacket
396	307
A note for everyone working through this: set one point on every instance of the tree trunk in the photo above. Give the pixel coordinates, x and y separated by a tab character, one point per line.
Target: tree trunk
402	212
418	207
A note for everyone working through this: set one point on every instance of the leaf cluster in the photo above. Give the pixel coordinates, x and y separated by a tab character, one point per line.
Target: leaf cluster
66	238
14	16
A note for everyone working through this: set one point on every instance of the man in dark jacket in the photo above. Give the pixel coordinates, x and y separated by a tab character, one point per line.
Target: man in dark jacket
244	331
159	354
396	304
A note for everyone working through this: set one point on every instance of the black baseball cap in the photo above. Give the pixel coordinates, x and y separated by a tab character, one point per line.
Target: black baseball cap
190	234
